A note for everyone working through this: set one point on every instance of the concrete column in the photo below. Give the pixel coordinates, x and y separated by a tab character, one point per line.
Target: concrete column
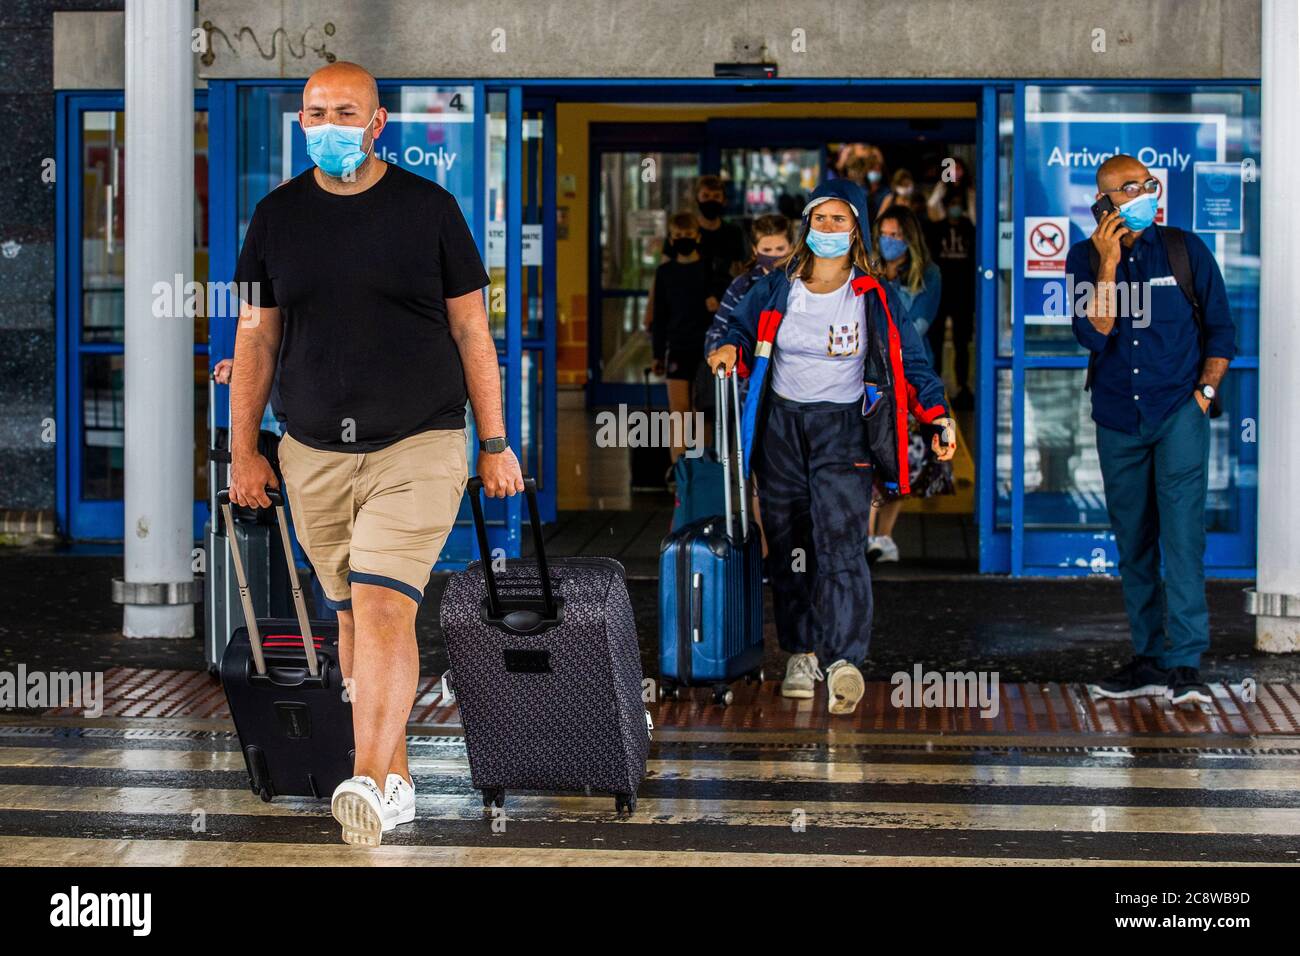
158	535
1278	559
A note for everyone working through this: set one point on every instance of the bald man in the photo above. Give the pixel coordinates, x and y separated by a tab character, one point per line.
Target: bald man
1154	373
366	308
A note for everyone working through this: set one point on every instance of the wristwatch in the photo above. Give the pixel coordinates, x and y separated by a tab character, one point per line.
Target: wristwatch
493	446
1207	391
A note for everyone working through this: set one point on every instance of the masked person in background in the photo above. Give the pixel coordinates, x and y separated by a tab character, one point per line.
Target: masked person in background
1154	370
818	342
683	299
916	283
952	244
368	312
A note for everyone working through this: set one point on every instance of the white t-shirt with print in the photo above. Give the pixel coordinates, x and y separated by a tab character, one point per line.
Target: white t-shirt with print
820	346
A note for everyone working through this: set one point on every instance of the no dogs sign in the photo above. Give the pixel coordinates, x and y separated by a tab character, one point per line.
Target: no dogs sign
1047	240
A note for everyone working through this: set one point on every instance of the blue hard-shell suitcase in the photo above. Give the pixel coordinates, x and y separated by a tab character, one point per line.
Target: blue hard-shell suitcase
711	585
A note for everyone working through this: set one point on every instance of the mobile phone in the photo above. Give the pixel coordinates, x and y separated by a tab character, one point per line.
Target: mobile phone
1101	207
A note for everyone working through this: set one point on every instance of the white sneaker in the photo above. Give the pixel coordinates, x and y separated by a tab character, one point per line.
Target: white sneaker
888	551
358	806
801	676
399	802
845	687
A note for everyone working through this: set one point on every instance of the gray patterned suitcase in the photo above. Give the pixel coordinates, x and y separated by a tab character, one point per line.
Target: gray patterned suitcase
546	670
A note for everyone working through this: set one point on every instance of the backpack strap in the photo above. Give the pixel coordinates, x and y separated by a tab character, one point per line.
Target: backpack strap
1175	243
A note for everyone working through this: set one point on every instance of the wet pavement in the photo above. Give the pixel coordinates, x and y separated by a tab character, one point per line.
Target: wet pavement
1053	779
58	616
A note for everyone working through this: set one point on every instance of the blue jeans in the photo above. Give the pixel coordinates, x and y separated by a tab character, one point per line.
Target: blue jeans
1155	492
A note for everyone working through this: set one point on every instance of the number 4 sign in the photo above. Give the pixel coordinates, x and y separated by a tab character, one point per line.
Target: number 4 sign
1047	240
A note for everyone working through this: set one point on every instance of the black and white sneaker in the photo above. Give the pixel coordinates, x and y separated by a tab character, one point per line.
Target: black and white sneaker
1140	677
1186	687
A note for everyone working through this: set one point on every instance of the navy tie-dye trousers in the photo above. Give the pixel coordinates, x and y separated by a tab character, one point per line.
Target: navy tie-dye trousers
814	483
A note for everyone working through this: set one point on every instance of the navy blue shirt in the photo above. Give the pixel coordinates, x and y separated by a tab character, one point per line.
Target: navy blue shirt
1150	363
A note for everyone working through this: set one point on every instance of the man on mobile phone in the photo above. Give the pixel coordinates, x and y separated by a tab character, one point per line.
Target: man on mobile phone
1159	337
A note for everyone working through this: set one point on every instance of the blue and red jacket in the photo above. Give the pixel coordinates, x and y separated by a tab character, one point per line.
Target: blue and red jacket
916	388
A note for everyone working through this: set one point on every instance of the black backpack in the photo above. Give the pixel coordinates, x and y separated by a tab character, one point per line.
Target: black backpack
1176	252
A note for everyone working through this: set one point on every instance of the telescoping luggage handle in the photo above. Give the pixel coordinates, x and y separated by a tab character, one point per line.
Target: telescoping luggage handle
727	413
246	596
475	489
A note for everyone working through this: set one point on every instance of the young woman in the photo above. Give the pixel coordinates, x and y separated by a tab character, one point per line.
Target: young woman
771	236
915	281
816	340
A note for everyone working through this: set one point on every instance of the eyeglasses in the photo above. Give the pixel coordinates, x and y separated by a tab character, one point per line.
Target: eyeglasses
1134	189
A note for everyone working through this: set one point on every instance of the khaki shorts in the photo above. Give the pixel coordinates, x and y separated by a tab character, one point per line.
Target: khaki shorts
378	517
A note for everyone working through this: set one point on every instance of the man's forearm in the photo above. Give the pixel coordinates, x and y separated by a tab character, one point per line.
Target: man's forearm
478	355
1213	370
1102	312
250	385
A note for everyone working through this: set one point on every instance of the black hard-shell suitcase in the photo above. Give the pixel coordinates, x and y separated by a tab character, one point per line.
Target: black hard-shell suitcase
549	687
285	689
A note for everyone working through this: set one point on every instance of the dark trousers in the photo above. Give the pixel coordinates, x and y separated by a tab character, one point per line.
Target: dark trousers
816	505
963	329
1155	492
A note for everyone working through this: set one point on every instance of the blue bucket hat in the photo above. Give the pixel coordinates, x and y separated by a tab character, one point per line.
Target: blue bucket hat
843	189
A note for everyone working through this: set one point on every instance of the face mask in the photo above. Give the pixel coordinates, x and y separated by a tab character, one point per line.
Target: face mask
710	209
904	191
766	261
873	176
684	247
828	245
335	149
891	247
954	212
1139	213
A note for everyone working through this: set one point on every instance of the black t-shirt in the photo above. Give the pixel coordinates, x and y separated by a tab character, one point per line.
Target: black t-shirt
681	317
952	246
361	282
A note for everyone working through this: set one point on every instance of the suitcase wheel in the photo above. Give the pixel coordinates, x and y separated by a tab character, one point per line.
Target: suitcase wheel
722	695
494	797
667	689
624	801
265	795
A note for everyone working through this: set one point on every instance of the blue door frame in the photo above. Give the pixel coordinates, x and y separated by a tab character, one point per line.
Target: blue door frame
1058	552
1010	549
78	517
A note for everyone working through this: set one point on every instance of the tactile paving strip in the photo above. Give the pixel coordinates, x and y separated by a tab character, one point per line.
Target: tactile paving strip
1022	709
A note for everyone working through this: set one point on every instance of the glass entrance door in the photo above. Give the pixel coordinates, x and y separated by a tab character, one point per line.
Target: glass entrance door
1194	139
91	263
640	174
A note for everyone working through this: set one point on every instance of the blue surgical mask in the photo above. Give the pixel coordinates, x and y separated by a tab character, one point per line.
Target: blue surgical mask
337	149
828	245
1139	213
873	176
891	247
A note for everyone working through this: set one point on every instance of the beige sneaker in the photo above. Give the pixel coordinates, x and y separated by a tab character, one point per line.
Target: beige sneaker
358	805
845	687
801	676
